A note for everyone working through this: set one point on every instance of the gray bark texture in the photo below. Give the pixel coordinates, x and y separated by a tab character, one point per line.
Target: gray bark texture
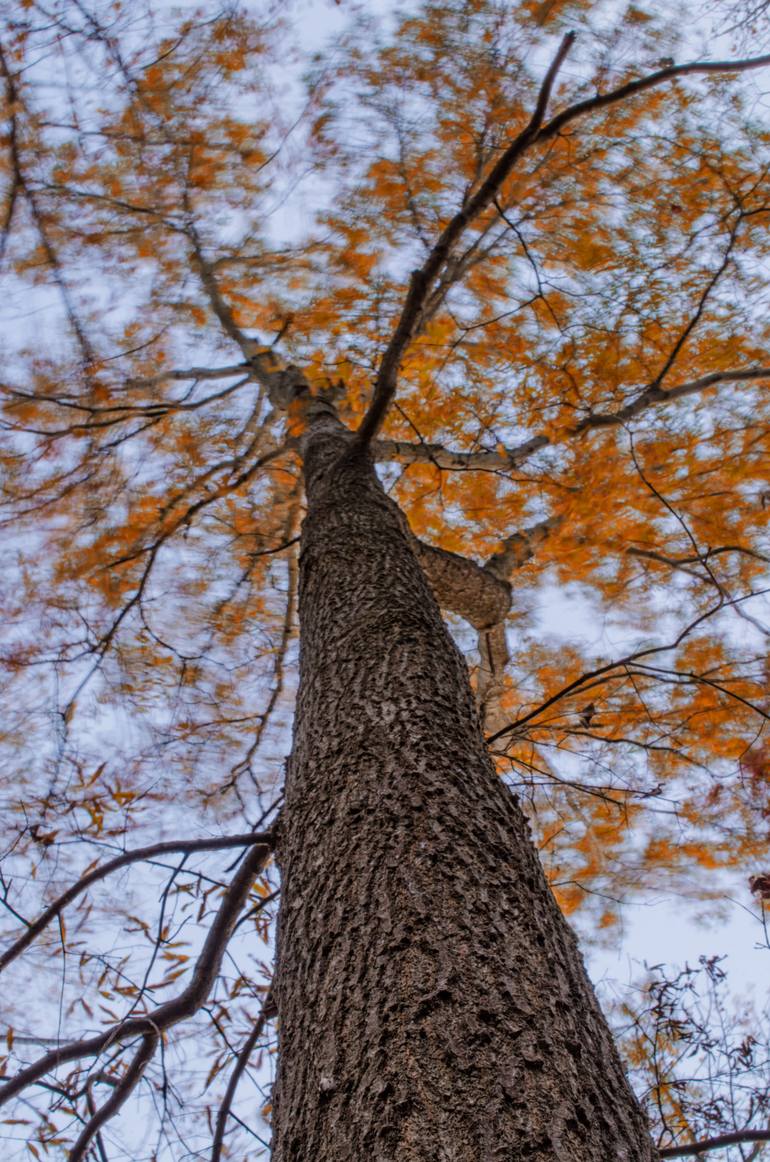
433	1002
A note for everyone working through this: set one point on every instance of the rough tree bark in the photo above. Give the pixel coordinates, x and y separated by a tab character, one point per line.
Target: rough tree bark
433	1002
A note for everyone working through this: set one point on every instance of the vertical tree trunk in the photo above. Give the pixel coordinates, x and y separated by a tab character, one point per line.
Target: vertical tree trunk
433	1003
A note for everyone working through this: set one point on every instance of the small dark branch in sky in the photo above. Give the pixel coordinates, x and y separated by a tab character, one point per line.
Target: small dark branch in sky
117	413
623	92
13	146
655	394
700	308
717	1143
636	659
128	1082
21	186
244	765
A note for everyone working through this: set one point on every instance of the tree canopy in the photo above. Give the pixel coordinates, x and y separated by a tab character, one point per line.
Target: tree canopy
523	248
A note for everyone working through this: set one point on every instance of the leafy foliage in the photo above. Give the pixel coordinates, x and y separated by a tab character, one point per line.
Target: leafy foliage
582	404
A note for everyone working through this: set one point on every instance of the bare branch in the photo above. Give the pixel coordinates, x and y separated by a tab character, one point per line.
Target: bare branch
485	459
122	1090
635	659
283	383
655	394
21	186
235	1077
172	1012
188	846
503	459
13	145
717	1143
623	92
422	279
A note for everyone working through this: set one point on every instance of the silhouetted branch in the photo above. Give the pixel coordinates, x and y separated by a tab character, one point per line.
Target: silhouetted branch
641	84
117	1098
264	839
635	659
180	1008
235	1077
503	459
717	1143
422	280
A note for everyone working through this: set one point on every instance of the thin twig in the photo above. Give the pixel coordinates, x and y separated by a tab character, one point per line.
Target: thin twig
235	1077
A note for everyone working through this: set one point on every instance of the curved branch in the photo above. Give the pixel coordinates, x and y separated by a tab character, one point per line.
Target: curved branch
422	280
283	383
717	1143
125	1086
520	547
188	846
16	181
655	394
503	459
635	659
172	1012
631	88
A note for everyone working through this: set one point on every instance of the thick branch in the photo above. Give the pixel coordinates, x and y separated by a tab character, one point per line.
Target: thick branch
655	394
482	595
283	383
520	547
490	679
422	280
463	587
503	459
623	92
476	460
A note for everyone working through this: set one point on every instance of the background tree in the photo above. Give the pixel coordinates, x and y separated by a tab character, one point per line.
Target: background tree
211	262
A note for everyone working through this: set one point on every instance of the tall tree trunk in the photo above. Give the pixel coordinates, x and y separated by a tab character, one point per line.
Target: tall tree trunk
433	1003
